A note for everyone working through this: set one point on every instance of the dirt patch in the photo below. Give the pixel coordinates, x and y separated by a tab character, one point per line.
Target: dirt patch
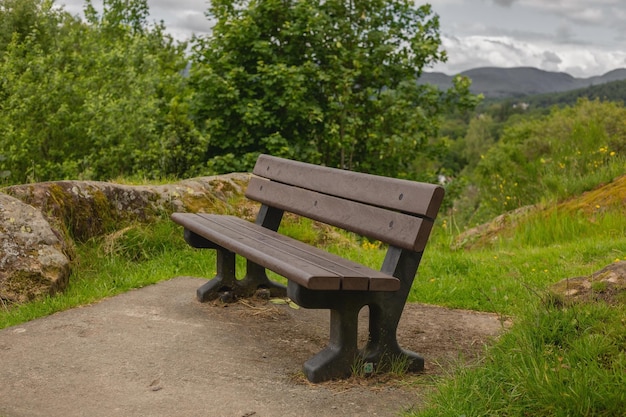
444	337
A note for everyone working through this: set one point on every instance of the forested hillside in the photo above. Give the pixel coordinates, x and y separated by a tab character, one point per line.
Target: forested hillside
612	91
113	96
521	82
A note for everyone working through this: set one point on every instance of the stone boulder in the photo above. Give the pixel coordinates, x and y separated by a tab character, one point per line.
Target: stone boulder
608	284
40	222
33	256
84	209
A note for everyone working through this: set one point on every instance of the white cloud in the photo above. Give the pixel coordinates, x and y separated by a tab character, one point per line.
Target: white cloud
505	3
181	17
475	51
582	37
587	12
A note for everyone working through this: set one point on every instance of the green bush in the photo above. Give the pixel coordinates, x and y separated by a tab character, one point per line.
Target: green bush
92	99
565	153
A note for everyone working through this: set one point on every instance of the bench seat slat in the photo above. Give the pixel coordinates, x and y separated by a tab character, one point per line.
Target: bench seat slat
308	266
394	228
352	276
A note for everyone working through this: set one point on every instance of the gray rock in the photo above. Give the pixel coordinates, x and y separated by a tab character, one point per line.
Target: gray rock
35	256
93	208
608	285
33	259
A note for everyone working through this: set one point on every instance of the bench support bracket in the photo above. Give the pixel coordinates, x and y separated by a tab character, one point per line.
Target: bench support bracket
225	284
341	354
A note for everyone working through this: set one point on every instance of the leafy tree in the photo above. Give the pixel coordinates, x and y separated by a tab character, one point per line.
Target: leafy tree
478	139
331	82
19	19
93	99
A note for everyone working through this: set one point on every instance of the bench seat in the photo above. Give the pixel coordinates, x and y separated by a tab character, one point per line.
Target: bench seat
309	266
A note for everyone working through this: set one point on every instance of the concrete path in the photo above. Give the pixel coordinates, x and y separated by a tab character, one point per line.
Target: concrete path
158	352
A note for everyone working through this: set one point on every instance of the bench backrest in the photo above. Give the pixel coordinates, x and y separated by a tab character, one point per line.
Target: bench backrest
398	212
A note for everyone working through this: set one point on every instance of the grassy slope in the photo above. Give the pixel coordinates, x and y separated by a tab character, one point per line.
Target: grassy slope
554	361
499	276
559	359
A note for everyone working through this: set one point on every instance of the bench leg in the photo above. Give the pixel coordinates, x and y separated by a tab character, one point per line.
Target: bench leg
385	312
338	358
226	286
224	279
382	347
256	278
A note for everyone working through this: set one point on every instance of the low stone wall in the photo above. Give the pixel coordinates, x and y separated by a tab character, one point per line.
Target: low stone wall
39	223
85	209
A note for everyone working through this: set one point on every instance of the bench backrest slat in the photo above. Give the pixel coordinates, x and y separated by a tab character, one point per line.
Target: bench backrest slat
412	197
396	212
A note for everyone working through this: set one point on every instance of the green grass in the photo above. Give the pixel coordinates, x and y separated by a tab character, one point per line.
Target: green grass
554	361
495	279
503	277
557	359
137	256
543	248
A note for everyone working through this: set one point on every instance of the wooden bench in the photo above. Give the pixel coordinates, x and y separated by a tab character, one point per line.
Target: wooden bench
397	212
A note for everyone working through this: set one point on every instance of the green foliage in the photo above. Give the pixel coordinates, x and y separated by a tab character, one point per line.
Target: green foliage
329	82
478	139
326	82
95	99
611	91
547	159
554	362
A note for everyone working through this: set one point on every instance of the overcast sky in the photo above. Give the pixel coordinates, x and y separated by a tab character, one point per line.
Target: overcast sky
581	37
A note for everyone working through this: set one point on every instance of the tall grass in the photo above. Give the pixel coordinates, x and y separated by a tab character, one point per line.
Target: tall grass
543	248
553	227
555	361
495	278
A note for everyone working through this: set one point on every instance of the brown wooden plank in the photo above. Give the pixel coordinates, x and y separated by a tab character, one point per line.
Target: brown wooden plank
302	273
307	265
391	227
413	197
353	275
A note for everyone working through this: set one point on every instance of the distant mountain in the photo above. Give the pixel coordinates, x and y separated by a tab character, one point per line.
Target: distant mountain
611	91
495	82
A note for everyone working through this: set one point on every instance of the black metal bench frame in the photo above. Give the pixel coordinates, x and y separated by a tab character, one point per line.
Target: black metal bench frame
397	212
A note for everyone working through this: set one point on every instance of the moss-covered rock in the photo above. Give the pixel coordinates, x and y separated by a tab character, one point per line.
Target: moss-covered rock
34	257
608	285
84	209
39	223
